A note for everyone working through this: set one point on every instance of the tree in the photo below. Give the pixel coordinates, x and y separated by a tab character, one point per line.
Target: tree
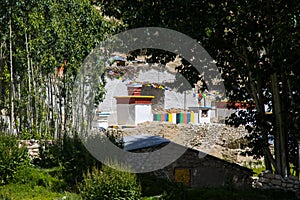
256	46
46	37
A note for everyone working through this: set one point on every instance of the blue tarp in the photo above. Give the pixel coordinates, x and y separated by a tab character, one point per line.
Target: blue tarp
142	141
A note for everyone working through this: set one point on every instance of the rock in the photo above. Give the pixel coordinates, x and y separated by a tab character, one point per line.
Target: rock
277	176
259	185
283	185
269	175
290	181
297	186
34	146
294	178
266	187
276	182
277	187
264	180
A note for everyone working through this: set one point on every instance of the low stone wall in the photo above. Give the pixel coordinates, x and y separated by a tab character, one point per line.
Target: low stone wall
275	181
33	146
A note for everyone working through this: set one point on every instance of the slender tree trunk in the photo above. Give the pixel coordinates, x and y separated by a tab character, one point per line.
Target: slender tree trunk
19	114
12	88
34	99
257	94
295	126
283	123
261	112
280	132
29	109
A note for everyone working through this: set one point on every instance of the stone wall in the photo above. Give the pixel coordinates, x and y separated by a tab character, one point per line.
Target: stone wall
33	146
274	181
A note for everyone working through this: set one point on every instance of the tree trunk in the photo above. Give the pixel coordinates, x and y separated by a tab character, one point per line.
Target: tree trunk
12	88
257	94
29	106
280	131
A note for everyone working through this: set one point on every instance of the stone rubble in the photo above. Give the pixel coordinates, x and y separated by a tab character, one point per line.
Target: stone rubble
218	140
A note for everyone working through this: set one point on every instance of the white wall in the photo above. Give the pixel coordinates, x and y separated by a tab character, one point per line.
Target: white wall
143	114
113	88
126	114
173	99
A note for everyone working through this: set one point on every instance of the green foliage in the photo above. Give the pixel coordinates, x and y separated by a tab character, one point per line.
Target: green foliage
110	184
46	36
28	192
70	155
40	177
256	47
12	158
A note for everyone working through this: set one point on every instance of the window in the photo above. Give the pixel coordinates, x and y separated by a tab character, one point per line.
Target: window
204	113
183	175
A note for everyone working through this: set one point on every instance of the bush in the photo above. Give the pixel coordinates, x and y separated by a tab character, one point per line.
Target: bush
70	155
38	177
12	158
110	184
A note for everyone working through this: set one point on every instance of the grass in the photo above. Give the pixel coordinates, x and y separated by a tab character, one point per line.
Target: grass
258	169
28	192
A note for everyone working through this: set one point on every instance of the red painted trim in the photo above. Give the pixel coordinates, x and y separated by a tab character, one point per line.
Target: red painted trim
133	100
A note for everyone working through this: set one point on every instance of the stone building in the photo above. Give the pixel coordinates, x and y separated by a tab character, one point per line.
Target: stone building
193	168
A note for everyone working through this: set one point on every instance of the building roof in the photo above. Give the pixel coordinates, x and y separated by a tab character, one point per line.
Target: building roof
136	142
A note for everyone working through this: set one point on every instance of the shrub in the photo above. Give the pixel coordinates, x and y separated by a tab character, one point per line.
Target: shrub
110	184
40	177
12	158
71	154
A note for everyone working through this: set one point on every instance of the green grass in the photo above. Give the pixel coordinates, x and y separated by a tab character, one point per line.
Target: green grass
28	192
